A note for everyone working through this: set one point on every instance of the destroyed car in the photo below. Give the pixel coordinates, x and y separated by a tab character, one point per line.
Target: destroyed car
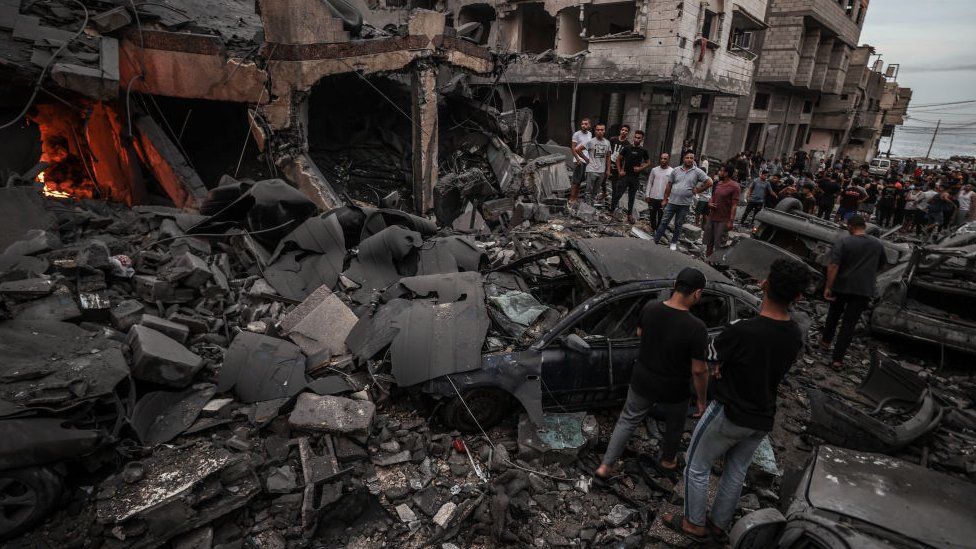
934	300
845	498
810	238
582	359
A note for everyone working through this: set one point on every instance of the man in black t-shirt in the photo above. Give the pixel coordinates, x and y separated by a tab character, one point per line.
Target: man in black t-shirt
672	354
751	357
829	188
632	160
851	281
617	144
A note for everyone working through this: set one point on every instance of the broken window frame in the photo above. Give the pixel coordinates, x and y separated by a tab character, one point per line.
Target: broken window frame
636	33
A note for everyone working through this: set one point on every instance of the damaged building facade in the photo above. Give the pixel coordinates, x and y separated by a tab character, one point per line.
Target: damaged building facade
657	66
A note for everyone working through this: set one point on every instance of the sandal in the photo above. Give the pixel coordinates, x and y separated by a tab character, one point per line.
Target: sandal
676	523
715	532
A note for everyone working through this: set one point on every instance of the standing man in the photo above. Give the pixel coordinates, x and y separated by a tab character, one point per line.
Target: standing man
617	144
756	196
965	200
854	264
685	181
886	204
654	192
850	198
752	357
721	208
672	355
598	167
829	188
580	137
631	161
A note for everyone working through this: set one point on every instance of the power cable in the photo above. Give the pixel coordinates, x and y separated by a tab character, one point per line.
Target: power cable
47	66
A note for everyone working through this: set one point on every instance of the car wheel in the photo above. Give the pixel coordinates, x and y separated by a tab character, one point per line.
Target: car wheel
489	406
26	498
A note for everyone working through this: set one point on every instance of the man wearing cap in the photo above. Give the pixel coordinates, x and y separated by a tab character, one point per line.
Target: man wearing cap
851	275
672	353
751	357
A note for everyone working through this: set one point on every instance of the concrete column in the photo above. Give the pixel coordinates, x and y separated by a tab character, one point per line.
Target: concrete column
423	98
820	64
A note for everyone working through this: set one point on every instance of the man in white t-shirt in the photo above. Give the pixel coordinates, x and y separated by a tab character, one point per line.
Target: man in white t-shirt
965	199
580	138
654	192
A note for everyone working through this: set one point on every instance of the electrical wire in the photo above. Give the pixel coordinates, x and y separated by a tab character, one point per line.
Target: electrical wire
47	66
213	235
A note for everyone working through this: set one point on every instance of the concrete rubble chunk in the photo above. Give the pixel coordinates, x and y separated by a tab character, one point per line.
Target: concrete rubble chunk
27	288
126	314
34	242
161	359
187	269
331	414
444	514
179	332
405	513
320	325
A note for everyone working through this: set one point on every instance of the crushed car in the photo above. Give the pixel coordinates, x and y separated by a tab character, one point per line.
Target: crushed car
934	299
848	498
565	319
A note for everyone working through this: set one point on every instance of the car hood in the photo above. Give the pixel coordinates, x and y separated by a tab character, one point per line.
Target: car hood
619	260
918	503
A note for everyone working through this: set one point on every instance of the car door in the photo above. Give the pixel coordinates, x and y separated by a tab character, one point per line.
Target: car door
575	379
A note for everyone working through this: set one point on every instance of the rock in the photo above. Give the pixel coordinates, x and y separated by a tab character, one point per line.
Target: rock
58	306
178	332
35	242
559	439
160	359
348	450
405	513
95	255
691	232
427	501
332	414
187	269
385	460
620	514
749	502
30	288
281	480
320	325
444	514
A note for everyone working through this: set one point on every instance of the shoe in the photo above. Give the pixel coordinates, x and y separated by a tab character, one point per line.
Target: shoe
674	247
630	219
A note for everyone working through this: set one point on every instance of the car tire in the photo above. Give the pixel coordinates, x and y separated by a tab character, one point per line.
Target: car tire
490	406
27	496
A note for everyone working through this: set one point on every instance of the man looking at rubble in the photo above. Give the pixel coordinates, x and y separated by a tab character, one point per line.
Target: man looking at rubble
580	137
654	192
684	182
751	357
632	160
851	274
598	162
721	210
672	354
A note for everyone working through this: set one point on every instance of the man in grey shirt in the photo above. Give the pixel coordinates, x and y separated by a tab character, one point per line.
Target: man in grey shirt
685	181
598	162
851	277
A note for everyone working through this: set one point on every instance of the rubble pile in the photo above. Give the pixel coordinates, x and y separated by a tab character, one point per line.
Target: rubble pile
265	375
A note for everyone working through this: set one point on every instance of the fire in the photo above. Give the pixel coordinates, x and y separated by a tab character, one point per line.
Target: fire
50	189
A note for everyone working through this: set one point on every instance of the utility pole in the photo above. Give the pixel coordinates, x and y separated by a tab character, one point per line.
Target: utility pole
935	133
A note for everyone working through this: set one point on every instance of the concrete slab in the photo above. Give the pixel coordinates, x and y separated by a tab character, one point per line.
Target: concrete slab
161	359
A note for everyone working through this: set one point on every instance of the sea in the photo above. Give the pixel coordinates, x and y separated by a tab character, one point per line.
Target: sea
914	142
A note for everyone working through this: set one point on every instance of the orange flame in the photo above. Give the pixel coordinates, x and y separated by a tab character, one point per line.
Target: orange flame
50	189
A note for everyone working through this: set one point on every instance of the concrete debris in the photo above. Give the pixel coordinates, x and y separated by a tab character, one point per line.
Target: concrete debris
331	414
161	359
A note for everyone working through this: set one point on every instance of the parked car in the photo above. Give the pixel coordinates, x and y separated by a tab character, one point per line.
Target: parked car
879	166
846	499
585	358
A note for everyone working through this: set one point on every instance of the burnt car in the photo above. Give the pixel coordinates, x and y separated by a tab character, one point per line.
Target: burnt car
934	299
59	409
582	358
796	234
846	498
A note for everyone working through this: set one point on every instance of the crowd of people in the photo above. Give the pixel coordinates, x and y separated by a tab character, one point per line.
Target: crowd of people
908	197
731	381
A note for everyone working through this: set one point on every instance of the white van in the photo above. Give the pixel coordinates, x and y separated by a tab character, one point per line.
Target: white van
879	166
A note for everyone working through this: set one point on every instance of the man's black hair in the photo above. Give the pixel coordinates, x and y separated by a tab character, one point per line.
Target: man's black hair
622	126
639	132
787	280
857	221
765	172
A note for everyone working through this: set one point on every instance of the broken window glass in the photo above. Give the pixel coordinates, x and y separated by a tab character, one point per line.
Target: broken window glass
616	320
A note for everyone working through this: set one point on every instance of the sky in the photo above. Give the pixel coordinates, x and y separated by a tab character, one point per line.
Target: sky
934	42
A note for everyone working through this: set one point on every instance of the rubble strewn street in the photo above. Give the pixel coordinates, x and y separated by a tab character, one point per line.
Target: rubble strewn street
391	317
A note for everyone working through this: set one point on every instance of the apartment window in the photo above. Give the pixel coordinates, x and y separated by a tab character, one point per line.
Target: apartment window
610	21
745	29
761	102
807	106
709	25
849	8
741	40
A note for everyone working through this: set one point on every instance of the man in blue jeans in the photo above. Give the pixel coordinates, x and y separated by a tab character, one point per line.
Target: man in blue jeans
751	357
685	182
